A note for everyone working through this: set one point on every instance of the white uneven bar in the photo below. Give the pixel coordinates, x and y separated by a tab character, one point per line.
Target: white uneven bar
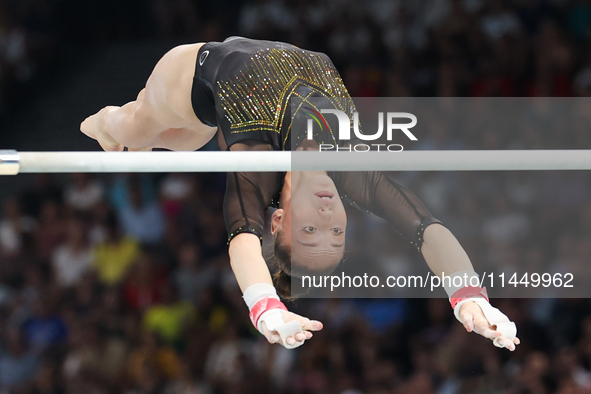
12	162
153	161
459	160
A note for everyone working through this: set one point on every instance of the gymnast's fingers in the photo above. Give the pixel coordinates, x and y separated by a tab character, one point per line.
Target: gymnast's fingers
302	336
468	320
312	325
297	338
305	323
474	320
504	342
485	330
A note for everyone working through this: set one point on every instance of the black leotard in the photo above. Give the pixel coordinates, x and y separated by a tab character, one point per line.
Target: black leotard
244	87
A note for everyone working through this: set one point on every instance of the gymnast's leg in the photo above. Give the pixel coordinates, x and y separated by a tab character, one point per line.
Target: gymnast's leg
162	115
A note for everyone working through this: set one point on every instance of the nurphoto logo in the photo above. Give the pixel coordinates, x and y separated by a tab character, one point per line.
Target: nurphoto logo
344	133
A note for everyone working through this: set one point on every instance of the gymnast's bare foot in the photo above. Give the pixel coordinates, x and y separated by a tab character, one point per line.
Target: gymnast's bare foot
93	127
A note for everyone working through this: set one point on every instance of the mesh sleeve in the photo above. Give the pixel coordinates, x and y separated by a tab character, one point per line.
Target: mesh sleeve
249	194
378	193
247	197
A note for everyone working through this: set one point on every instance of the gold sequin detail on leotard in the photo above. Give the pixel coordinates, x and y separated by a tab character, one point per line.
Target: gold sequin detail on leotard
255	97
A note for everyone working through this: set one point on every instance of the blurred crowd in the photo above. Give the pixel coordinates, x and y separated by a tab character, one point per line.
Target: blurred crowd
382	47
122	284
439	47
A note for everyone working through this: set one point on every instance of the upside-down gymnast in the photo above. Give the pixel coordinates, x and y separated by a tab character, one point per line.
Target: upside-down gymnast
241	89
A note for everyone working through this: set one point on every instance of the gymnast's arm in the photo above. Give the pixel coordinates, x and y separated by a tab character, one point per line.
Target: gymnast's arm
443	252
247	197
377	193
246	259
250	269
161	116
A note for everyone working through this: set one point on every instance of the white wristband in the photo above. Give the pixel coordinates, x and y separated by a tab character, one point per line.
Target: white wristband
257	292
273	317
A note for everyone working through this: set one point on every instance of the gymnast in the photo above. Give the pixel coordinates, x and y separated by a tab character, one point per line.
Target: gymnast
241	90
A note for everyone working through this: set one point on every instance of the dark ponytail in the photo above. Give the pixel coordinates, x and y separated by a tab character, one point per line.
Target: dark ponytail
282	280
282	283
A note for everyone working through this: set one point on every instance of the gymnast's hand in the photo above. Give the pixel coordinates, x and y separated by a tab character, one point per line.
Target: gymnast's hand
298	339
473	319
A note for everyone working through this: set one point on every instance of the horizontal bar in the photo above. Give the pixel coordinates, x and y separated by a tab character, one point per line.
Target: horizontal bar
459	160
9	162
12	162
68	162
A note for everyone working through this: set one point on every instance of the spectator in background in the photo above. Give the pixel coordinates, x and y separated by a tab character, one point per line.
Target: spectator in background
143	285
95	357
140	218
187	384
223	366
175	189
499	21
191	277
44	187
534	374
14	228
169	318
111	311
73	259
176	17
47	379
18	364
34	286
50	231
45	329
119	194
85	296
213	315
152	361
84	193
113	258
97	228
505	225
554	63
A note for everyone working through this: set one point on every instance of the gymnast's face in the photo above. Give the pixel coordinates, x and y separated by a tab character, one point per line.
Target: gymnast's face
312	221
